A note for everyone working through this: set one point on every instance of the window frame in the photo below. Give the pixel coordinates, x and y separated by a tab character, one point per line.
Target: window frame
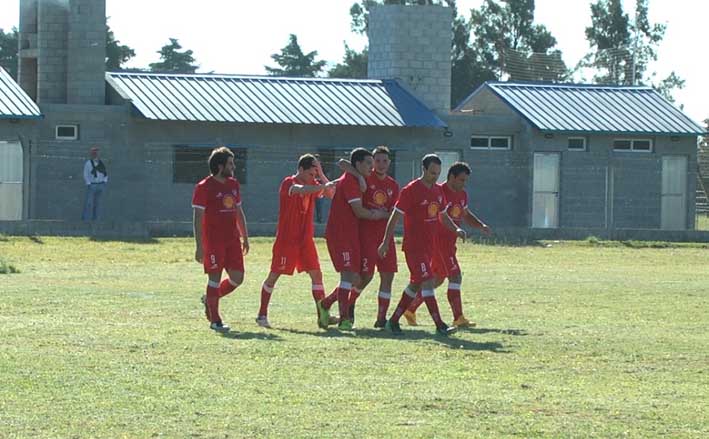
75	126
192	176
489	146
583	148
632	145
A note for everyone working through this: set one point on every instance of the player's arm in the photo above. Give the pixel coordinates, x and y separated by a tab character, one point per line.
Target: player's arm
389	232
446	220
197	213
346	166
362	212
328	186
311	188
243	230
472	219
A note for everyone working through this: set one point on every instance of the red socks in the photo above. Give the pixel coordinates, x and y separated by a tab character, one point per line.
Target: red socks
455	300
265	299
432	305
404	303
213	301
383	299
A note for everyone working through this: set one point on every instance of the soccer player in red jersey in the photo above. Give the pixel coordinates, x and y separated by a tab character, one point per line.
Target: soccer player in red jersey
422	203
294	247
445	261
342	235
220	232
381	193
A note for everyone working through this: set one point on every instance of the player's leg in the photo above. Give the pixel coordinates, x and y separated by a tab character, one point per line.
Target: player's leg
429	298
266	290
386	279
234	264
213	258
407	297
347	280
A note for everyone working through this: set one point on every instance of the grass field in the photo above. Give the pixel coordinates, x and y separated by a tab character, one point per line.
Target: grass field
108	339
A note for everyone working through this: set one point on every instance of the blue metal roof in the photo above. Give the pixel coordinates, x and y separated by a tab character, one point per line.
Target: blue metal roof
272	100
14	102
593	108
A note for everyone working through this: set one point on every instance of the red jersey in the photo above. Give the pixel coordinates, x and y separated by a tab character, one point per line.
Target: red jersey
420	206
457	203
380	194
219	202
295	213
342	224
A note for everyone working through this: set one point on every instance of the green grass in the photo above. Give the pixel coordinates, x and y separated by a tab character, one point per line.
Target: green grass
108	339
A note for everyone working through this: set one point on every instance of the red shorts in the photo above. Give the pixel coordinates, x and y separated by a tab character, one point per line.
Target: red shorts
445	262
419	267
345	256
287	257
223	255
371	259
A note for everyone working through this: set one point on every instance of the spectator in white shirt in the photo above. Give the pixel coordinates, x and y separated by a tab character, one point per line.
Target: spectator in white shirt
95	177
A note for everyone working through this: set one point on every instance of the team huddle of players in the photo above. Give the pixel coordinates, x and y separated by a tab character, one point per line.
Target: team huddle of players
367	205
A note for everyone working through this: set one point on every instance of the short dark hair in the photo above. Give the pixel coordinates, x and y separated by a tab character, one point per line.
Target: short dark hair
382	149
428	159
306	161
458	168
219	156
359	154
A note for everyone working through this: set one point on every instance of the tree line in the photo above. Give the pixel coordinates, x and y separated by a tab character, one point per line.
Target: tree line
500	40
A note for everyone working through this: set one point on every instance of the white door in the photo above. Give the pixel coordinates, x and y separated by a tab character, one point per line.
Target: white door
447	159
674	193
545	207
10	181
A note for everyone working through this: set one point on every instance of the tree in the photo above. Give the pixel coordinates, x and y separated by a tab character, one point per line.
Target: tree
510	43
293	62
505	42
354	65
623	49
8	51
174	61
116	54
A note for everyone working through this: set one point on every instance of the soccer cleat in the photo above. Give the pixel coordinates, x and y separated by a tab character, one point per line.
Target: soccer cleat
380	323
462	322
445	330
323	315
262	321
219	327
410	318
393	327
345	325
203	299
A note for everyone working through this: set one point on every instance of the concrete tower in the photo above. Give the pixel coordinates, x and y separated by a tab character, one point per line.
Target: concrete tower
63	51
413	44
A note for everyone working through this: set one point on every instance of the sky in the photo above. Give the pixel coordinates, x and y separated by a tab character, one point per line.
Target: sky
239	36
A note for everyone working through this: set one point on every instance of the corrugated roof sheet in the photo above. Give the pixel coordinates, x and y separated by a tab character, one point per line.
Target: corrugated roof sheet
14	102
594	108
263	99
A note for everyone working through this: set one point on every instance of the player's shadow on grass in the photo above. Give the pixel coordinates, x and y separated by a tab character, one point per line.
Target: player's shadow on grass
453	342
149	240
516	332
238	335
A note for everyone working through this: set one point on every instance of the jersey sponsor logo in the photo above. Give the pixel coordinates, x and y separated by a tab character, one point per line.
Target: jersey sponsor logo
380	198
228	201
433	209
455	211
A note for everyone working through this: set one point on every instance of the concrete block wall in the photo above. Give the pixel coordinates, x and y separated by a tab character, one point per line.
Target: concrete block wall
57	185
413	44
52	28
499	186
86	47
